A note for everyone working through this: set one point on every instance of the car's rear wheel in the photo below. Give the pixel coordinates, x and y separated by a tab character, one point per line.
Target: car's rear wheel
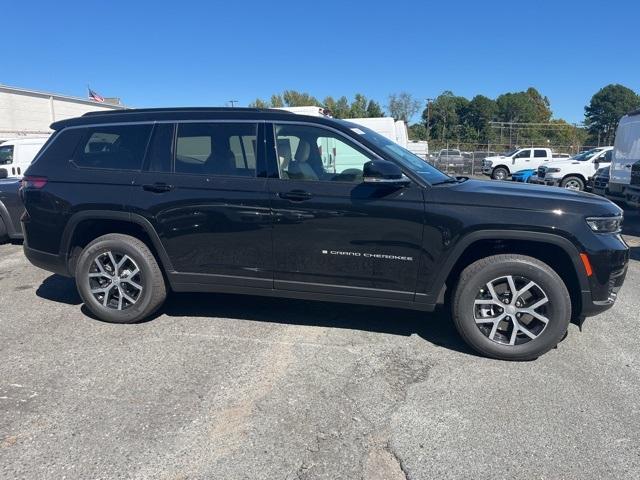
572	183
500	173
119	279
511	307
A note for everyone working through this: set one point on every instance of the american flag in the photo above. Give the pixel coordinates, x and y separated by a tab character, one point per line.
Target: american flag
95	96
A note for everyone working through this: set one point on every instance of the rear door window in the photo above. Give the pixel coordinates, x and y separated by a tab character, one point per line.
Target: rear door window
120	147
216	149
540	153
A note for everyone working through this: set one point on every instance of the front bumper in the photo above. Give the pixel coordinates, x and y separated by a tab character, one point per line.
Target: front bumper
609	258
549	181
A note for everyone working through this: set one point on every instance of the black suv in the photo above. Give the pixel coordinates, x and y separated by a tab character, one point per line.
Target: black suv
266	202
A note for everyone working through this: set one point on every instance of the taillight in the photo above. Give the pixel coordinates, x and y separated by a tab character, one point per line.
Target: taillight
33	182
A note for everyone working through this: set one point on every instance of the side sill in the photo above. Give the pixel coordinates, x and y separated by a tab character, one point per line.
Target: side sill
179	286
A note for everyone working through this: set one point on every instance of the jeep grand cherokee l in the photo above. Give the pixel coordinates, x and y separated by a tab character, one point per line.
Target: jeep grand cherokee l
265	202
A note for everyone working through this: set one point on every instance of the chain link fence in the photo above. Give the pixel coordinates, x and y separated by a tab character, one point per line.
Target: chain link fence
466	158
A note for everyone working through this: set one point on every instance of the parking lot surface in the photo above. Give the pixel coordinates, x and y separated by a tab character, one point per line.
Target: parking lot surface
230	387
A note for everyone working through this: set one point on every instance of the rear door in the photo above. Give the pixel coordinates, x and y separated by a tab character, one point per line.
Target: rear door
204	191
540	156
333	233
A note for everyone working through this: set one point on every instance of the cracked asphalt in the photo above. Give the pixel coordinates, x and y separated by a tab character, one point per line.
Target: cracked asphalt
230	387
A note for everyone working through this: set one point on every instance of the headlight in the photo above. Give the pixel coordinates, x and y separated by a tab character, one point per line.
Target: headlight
553	170
605	224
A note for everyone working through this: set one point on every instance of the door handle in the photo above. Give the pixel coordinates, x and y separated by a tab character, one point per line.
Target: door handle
295	195
157	187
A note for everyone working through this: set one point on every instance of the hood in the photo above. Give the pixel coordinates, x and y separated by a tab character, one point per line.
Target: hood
523	196
565	162
494	158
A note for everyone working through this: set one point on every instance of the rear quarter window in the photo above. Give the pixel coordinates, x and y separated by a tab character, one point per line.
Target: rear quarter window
120	147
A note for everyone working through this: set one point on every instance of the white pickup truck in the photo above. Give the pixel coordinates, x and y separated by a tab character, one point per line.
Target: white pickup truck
573	173
499	167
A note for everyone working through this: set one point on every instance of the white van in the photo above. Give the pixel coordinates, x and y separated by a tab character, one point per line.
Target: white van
17	154
624	174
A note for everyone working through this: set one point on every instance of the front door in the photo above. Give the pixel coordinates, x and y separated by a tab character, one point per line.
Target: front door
332	233
203	193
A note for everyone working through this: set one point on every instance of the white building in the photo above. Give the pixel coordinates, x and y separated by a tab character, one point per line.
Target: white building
28	112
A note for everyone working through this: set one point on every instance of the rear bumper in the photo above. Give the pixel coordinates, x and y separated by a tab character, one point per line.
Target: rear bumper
47	261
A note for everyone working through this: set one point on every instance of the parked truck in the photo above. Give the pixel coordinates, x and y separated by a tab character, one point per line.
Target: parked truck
574	173
500	167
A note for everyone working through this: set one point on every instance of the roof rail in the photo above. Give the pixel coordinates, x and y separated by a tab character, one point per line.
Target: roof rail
179	109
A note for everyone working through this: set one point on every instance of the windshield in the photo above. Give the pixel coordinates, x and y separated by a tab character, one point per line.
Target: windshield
404	157
6	154
581	157
511	152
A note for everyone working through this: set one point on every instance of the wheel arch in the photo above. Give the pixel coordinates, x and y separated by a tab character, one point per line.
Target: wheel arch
578	175
558	252
8	223
85	226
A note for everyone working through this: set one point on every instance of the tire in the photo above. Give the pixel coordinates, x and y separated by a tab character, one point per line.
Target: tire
470	304
572	183
125	303
500	173
4	234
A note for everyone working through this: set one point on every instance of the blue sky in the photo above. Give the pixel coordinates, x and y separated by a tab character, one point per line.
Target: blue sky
208	52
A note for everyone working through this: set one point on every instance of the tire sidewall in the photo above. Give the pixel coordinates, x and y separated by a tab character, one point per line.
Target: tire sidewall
92	251
500	169
559	316
577	179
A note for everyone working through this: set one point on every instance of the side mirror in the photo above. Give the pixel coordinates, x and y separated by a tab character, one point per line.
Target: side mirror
382	172
3	173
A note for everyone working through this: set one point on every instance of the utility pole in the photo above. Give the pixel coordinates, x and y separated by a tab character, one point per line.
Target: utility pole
233	103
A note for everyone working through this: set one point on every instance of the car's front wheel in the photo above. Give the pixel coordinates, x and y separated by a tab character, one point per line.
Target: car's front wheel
511	307
572	183
500	173
119	279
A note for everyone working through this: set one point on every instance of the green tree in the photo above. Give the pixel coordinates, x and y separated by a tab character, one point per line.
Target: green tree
341	108
358	107
564	134
402	106
606	108
374	109
276	101
448	111
479	112
523	107
258	103
417	131
293	98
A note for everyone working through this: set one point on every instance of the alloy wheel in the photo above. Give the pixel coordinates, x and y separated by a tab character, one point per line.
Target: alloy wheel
511	310
573	185
115	280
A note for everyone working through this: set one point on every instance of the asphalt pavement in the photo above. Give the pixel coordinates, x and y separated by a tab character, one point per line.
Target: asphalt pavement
231	387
